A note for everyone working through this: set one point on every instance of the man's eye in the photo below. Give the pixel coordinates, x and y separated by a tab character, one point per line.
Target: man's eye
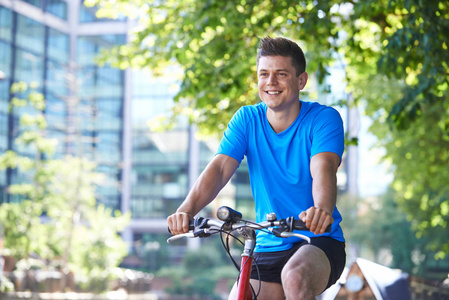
282	74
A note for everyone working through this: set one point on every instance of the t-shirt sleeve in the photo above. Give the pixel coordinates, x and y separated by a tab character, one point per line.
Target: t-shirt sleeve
234	140
328	133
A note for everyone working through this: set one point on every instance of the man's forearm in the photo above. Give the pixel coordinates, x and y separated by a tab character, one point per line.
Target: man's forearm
202	193
324	191
209	184
323	168
324	186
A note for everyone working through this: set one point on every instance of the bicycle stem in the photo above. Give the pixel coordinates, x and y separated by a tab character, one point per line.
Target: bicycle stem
249	235
244	290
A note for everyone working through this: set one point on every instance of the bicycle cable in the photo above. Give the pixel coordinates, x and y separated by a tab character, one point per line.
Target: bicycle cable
260	227
227	247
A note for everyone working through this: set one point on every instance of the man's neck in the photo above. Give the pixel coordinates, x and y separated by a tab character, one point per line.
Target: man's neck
282	119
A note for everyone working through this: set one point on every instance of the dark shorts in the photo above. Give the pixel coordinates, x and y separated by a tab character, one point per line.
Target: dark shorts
270	264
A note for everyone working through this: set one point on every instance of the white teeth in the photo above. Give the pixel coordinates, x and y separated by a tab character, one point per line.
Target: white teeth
273	93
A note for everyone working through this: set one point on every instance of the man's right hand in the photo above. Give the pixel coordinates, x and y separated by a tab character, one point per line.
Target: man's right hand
179	222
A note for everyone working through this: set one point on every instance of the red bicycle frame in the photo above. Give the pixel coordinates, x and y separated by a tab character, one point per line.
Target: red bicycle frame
244	291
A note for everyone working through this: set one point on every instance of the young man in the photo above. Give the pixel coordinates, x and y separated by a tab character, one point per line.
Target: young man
293	149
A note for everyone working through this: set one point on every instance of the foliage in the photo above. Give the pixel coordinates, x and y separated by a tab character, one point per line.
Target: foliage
199	273
215	43
5	284
55	215
97	249
201	259
381	225
418	155
23	232
421	156
21	225
397	66
395	58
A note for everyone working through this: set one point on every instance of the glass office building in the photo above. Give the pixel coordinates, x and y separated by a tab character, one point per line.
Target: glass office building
42	45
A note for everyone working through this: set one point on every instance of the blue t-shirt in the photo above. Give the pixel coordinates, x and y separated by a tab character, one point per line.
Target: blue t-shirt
279	163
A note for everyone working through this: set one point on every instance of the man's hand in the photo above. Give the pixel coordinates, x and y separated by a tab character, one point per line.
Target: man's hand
179	222
316	219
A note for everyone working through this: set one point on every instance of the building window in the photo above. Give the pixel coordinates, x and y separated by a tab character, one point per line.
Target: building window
5	24
57	8
37	3
30	35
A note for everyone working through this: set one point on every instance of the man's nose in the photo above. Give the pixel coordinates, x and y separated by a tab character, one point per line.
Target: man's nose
272	79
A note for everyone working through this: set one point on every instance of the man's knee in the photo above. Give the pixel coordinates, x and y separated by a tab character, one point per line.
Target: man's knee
307	270
297	275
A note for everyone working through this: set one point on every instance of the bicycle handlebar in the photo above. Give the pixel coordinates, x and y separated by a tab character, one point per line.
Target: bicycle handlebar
232	220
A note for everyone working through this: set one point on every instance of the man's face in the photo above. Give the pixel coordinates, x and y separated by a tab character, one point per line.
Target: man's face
278	85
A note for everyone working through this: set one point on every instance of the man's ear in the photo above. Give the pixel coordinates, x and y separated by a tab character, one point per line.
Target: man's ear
302	80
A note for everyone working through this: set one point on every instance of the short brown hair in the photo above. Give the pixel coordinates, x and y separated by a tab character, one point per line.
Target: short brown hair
283	47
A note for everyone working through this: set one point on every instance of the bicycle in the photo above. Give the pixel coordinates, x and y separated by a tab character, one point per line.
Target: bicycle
230	221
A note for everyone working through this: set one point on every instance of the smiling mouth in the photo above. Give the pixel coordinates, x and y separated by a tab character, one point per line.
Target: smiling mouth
273	92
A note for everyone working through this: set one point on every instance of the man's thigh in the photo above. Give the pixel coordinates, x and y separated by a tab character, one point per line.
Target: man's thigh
268	290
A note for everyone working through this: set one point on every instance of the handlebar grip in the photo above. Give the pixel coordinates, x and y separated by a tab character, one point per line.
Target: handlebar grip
300	225
191	226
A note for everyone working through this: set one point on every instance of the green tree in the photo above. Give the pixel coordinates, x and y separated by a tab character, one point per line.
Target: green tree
381	225
21	225
418	155
395	58
214	42
77	233
383	228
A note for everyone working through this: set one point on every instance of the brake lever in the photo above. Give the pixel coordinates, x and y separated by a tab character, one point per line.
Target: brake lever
290	234
198	229
179	236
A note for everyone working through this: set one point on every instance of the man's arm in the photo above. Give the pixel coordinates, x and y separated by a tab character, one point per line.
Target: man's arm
206	188
323	167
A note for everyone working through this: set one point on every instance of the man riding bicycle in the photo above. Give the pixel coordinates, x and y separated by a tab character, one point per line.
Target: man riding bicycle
293	150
